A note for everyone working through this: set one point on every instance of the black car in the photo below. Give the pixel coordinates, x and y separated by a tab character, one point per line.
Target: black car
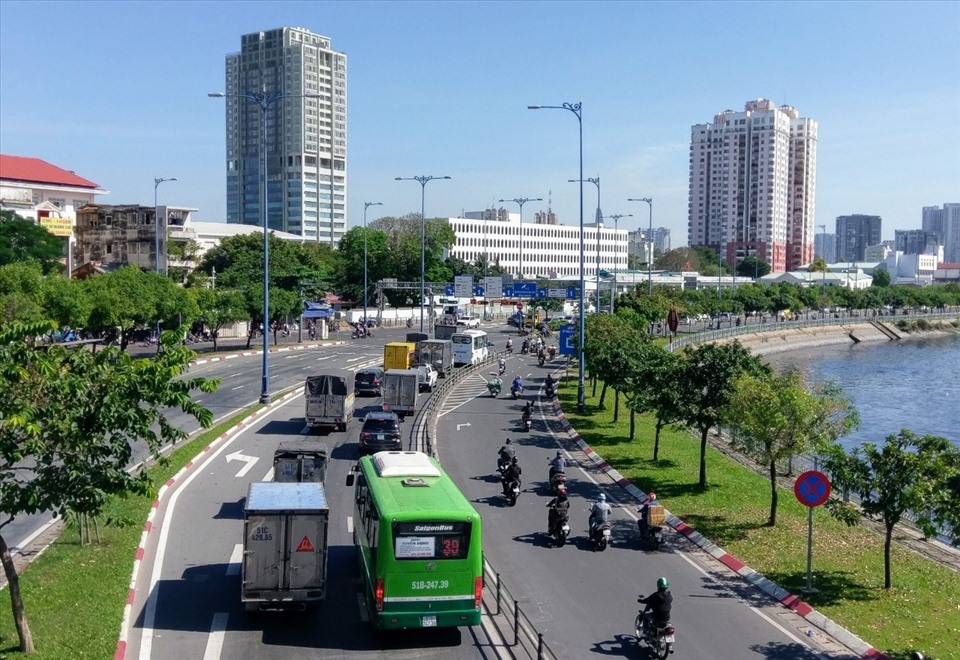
368	381
380	432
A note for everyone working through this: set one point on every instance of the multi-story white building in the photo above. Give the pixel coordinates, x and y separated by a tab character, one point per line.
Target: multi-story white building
36	190
306	138
531	250
753	185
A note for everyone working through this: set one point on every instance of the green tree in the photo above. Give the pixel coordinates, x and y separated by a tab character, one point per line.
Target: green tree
753	267
22	240
709	373
656	386
74	416
219	307
775	417
66	301
21	291
881	277
818	265
906	473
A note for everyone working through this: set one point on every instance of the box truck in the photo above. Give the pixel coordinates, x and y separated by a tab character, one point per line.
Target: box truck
400	390
328	402
438	353
398	355
295	461
284	562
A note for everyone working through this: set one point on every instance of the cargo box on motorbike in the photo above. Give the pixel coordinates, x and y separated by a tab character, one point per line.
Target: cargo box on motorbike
657	515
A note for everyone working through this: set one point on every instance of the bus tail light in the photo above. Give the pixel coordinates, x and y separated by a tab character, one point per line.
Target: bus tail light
378	594
477	591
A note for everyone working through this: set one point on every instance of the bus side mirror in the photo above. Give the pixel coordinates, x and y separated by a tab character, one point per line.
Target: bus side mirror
350	477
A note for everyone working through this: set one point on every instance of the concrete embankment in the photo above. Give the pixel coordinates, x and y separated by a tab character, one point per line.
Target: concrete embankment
789	339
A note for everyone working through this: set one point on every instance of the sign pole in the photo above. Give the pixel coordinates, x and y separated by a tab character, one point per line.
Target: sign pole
809	590
812	489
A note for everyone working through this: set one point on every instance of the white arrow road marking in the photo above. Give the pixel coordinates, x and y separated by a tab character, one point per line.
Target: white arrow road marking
268	476
349	524
464	424
233	568
215	640
249	460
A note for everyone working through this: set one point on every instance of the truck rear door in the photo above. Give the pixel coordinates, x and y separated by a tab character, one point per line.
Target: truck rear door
306	568
263	552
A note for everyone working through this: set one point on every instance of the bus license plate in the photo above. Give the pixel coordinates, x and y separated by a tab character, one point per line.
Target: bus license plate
668	639
429	621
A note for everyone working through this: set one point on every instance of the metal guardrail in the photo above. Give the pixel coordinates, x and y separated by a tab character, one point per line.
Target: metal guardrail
779	326
525	633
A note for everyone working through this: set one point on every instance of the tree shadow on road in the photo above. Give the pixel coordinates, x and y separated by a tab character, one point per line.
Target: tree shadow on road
833	587
784	651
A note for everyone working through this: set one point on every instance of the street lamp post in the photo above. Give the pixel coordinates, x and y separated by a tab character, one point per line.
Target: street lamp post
366	205
422	180
616	225
264	100
576	109
649	201
823	250
597	220
156	221
521	201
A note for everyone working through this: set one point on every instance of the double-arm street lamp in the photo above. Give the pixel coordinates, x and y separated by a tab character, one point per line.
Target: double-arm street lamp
366	205
521	201
156	220
649	201
422	180
575	108
616	225
264	100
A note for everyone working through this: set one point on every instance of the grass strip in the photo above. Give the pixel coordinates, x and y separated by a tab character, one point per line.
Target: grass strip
74	594
920	612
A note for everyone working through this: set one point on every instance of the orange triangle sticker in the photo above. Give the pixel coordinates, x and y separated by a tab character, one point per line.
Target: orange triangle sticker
305	546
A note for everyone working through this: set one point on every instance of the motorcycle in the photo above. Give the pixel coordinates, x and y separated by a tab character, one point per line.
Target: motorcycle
527	421
409	323
503	462
550	391
502	369
561	527
652	535
493	386
600	536
552	351
512	492
557	479
660	639
515	392
541	358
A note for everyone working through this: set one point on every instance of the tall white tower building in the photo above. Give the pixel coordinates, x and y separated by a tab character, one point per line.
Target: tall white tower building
306	138
753	185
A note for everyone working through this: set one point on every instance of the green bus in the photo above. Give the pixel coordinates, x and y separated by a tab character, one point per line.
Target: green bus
418	542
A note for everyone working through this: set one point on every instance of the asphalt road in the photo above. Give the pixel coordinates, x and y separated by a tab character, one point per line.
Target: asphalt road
584	601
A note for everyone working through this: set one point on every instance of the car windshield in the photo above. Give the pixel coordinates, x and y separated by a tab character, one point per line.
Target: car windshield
367	377
381	425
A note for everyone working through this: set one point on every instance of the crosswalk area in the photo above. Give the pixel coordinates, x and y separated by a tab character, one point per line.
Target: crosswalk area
467	390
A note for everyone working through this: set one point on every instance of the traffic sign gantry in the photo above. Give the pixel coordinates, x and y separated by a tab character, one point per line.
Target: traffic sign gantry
812	488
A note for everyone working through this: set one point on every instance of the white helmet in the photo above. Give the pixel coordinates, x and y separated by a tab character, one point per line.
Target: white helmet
602	498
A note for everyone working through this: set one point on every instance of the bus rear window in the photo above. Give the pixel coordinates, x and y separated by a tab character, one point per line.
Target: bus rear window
431	540
462	340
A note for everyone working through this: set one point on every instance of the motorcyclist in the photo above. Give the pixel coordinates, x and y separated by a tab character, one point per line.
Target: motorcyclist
559	510
541	355
527	413
509	344
645	511
658	604
557	464
502	363
512	473
507	452
495	383
599	513
525	347
518	385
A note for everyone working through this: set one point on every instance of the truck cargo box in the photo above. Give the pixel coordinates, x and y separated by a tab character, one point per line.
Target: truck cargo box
284	545
328	401
300	460
400	390
398	355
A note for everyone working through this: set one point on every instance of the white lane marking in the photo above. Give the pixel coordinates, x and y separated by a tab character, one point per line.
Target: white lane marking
249	461
362	357
325	357
268	476
292	357
150	609
215	641
239	373
786	632
233	568
464	424
349	524
238	387
363	608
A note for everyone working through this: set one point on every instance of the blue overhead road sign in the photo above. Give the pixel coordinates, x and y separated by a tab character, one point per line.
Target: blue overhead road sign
567	346
508	292
525	289
448	290
572	293
541	293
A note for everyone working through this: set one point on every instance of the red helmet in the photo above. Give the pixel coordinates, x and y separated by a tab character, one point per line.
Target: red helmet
652	496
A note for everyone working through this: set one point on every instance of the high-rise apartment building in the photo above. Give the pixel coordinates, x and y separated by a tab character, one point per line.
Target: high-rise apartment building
915	241
944	224
932	222
854	234
305	133
753	185
825	245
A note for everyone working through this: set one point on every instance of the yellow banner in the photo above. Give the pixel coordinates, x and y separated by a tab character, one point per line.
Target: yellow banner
57	226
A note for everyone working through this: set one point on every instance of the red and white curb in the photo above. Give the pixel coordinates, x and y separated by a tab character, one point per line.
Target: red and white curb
769	587
285	349
148	527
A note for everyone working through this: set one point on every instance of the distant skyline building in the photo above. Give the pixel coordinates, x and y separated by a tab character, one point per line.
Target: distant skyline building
945	223
306	138
915	241
932	221
825	245
753	185
854	234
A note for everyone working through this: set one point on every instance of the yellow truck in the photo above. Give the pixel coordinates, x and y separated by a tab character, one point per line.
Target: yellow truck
398	355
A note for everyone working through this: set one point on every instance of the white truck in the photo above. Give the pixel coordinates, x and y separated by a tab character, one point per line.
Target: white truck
300	460
438	353
328	402
284	562
426	377
400	390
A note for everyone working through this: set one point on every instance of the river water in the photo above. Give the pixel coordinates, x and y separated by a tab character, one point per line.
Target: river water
913	384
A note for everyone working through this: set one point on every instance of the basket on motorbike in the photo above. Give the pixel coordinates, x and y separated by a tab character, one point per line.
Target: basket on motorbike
657	515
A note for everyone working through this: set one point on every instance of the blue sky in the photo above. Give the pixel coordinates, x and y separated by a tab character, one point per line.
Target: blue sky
117	92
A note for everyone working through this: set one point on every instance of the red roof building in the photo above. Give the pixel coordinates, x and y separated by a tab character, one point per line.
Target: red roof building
34	170
36	190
